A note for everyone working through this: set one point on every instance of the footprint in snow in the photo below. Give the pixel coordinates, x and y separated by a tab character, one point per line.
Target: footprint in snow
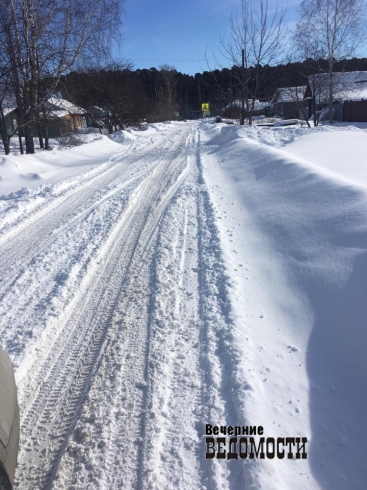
291	348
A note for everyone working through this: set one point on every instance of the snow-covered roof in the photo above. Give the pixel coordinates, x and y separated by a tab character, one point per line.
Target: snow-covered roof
63	107
58	107
7	110
257	107
350	85
9	104
289	94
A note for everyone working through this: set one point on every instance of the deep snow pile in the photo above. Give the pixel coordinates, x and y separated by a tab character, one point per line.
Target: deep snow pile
71	155
27	171
293	223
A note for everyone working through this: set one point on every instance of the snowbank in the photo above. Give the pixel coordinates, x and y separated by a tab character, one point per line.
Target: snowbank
122	136
294	233
87	150
44	167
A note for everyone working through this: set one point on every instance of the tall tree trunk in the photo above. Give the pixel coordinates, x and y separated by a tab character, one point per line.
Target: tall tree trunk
331	92
40	138
4	133
20	142
29	143
47	145
45	126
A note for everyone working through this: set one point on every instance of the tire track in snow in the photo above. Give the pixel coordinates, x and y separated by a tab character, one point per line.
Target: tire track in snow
191	359
38	253
157	443
129	381
37	230
30	206
60	397
174	374
225	399
138	361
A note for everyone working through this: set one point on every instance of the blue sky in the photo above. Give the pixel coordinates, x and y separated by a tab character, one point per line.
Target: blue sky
179	33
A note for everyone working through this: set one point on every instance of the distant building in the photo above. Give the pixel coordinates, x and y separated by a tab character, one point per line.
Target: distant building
292	102
64	116
9	107
349	94
234	109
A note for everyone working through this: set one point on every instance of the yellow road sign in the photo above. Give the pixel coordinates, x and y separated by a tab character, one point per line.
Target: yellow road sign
205	107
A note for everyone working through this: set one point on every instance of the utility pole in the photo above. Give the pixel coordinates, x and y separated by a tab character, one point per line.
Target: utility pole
243	90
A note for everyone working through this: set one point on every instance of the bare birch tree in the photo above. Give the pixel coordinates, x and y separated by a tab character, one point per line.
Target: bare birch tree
167	91
4	93
331	30
257	34
44	39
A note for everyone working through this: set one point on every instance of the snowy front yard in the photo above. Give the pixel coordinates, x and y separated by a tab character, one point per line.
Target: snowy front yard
185	275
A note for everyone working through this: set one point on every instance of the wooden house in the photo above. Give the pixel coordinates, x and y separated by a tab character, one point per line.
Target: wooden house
292	102
349	94
64	116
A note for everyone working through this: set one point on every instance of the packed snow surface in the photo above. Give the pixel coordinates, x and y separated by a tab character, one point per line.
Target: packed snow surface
189	274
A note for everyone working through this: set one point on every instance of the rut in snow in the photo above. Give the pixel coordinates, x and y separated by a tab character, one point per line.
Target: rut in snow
120	325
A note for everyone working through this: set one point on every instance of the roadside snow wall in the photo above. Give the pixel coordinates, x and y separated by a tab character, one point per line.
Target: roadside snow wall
302	235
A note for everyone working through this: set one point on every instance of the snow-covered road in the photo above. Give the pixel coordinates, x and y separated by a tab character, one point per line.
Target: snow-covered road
199	274
110	309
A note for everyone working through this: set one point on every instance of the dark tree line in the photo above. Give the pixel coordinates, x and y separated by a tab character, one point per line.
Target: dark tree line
121	96
117	96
